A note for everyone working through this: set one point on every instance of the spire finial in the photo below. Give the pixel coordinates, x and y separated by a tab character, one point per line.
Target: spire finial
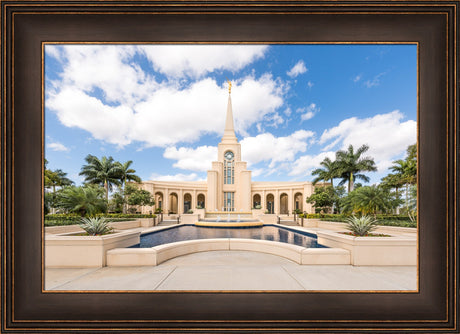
229	86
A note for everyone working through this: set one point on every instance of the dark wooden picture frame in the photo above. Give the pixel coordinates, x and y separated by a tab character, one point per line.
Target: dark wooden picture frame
27	25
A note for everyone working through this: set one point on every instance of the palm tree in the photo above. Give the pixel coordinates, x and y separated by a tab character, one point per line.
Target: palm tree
406	170
104	172
126	174
350	164
56	178
329	172
393	181
373	199
53	179
83	200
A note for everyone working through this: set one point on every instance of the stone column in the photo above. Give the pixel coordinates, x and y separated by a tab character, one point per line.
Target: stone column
166	201
277	202
194	200
290	202
263	201
180	202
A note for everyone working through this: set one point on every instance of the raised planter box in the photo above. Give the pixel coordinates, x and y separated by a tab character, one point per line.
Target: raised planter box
269	218
373	251
189	218
72	251
121	225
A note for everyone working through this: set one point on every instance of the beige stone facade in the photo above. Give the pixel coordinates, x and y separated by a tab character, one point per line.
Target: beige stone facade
229	186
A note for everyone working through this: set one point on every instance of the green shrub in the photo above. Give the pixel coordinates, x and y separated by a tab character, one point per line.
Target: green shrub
361	225
72	219
190	211
399	223
96	225
124	215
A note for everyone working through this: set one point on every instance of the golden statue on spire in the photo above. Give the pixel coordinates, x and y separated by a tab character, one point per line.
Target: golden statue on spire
229	86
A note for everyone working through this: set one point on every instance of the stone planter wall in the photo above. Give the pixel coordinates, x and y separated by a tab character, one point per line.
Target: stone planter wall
269	218
373	251
200	212
72	251
189	218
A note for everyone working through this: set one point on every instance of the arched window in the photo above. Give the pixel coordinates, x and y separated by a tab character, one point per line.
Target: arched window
256	201
284	204
200	201
270	203
229	168
187	202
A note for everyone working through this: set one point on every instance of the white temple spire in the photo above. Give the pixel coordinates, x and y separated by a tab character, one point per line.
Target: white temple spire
229	132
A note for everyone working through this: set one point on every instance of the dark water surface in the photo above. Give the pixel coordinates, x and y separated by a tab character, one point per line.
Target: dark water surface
188	232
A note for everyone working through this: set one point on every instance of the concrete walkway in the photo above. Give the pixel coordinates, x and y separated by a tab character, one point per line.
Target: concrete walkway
233	270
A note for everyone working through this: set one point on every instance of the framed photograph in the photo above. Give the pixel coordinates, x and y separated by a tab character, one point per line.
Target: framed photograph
236	106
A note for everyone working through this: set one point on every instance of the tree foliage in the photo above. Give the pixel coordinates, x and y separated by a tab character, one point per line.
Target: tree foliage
86	200
324	198
370	200
328	172
351	163
137	196
104	171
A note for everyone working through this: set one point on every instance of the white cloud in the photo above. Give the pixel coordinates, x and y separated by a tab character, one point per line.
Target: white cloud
308	112
375	81
255	172
305	164
198	159
107	69
386	134
197	60
53	51
76	109
298	69
266	147
357	78
310	84
176	177
167	115
274	119
57	147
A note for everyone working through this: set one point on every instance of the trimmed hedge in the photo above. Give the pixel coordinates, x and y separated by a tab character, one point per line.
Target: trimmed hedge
386	220
71	219
124	215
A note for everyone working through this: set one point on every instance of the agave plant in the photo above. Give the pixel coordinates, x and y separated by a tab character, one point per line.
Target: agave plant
96	225
361	225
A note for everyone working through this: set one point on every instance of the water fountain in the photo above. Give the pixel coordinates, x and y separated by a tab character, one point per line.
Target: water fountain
228	217
239	218
218	219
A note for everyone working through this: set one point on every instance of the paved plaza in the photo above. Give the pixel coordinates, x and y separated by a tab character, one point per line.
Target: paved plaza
233	270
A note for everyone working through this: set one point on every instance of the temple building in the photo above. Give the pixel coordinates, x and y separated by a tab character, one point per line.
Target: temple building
229	186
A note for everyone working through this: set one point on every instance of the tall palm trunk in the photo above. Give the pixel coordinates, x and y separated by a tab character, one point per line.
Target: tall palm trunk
124	197
106	187
407	198
350	183
53	209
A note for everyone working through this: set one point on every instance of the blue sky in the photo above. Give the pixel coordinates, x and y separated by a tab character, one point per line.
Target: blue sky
163	106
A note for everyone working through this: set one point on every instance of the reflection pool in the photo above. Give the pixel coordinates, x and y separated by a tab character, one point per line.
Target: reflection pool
191	232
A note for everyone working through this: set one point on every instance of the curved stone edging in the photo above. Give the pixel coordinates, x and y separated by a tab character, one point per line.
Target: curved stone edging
159	254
